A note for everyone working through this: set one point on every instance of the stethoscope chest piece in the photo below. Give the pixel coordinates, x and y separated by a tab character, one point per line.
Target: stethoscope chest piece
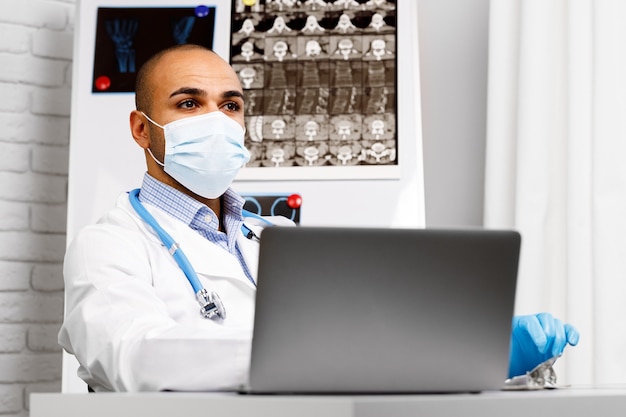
210	305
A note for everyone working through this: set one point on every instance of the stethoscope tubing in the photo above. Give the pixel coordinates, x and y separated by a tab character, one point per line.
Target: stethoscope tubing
211	305
168	241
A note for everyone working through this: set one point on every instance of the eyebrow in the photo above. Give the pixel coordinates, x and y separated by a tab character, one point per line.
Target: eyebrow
233	93
192	91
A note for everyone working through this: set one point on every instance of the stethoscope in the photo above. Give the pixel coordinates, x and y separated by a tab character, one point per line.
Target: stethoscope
211	305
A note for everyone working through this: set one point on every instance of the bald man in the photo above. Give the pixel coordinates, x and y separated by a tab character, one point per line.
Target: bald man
135	319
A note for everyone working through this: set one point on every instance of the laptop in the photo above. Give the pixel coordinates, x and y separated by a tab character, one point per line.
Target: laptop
379	311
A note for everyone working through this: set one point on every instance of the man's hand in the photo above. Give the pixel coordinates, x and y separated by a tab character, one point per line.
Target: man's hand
535	339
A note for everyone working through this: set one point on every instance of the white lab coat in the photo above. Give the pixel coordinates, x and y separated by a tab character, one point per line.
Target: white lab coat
132	319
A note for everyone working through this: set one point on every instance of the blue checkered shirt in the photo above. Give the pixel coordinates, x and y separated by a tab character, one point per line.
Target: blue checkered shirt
198	216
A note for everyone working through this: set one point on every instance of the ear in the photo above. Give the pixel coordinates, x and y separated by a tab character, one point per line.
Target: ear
139	129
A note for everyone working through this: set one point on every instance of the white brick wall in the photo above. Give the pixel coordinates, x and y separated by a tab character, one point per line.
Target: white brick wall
36	39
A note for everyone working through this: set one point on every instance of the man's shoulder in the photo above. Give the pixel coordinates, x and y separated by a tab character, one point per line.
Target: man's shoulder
116	241
116	221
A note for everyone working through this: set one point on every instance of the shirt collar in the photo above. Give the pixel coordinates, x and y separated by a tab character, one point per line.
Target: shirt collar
183	207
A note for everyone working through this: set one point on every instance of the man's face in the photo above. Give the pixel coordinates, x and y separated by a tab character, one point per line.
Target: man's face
191	83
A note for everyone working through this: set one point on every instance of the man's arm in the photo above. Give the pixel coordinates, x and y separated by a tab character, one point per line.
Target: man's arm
123	333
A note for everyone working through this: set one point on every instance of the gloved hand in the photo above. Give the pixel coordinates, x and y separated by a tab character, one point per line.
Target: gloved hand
535	339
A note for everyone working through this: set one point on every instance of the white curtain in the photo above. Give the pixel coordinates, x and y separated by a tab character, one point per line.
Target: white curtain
556	168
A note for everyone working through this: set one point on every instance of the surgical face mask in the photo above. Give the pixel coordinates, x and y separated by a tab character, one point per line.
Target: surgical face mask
204	153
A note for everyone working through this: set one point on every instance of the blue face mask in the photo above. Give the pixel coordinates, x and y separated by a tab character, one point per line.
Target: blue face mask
204	153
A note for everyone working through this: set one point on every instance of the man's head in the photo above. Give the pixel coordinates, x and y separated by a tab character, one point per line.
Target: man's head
163	71
180	82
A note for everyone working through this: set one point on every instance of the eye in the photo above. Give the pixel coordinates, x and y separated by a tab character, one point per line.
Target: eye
187	104
232	106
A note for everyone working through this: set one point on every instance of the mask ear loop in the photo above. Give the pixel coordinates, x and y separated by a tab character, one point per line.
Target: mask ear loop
148	149
152	121
155	160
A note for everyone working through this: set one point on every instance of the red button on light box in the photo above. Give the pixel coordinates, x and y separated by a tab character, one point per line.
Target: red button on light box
294	201
103	83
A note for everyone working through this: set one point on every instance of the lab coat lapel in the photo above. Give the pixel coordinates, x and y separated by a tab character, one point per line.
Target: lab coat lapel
205	257
250	251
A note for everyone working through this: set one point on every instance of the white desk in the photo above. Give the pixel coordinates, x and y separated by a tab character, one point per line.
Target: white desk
571	402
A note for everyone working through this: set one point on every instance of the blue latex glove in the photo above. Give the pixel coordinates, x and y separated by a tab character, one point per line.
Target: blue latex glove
537	338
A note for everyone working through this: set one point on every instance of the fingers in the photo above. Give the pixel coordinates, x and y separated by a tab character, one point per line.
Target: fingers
572	335
555	333
535	330
558	334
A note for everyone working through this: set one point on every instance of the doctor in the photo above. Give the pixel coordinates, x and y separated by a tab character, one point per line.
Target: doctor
133	307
